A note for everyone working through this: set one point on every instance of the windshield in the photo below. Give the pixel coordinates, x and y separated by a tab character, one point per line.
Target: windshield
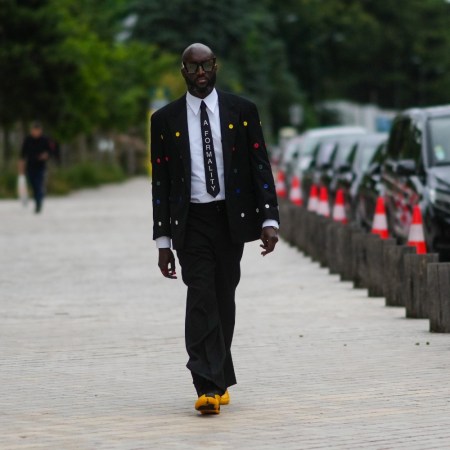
364	155
308	145
440	140
343	152
325	152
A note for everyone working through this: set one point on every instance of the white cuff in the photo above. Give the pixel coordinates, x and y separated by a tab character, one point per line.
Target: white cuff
163	242
271	223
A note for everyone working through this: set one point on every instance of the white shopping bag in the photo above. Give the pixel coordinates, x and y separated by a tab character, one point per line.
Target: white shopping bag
22	190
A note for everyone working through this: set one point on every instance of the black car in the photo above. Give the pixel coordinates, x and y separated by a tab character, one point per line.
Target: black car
417	171
353	166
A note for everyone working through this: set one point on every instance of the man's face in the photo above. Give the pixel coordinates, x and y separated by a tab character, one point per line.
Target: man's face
36	132
199	71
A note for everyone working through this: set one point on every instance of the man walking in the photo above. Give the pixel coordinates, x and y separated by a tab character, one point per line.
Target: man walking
213	191
34	156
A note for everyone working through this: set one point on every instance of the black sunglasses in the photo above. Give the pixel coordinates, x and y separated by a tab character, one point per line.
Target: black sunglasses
207	66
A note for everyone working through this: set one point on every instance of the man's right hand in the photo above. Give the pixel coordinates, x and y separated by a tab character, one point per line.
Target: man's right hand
166	263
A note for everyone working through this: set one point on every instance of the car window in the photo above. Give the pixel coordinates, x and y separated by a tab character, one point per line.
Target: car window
380	154
396	138
411	142
308	146
364	155
325	152
343	152
440	140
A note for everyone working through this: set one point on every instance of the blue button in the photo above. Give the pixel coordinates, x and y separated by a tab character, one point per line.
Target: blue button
266	186
238	191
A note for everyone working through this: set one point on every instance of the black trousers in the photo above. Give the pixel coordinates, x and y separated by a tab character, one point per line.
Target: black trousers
210	267
36	178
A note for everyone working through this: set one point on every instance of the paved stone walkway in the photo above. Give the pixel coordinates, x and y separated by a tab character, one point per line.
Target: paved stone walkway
92	351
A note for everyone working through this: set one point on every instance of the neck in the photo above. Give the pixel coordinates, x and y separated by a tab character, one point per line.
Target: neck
201	94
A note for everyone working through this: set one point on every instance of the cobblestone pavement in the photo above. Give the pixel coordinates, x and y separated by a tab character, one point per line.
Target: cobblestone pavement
92	352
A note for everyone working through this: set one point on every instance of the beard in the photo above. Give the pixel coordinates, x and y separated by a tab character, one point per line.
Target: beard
193	87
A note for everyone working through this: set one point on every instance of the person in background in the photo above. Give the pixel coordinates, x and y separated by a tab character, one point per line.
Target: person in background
35	153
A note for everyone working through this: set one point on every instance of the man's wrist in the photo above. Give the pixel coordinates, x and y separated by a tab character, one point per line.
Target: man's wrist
163	242
271	223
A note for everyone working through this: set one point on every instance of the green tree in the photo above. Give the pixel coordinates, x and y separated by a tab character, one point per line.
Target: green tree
392	53
61	62
243	34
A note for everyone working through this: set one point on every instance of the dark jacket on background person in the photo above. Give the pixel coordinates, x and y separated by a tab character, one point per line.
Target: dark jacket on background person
32	148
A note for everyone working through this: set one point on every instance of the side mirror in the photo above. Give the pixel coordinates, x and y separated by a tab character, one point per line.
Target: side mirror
406	167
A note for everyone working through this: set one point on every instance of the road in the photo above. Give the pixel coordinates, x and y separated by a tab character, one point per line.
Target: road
92	351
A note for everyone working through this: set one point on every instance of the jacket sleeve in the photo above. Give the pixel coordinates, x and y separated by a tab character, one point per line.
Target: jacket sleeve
260	166
160	178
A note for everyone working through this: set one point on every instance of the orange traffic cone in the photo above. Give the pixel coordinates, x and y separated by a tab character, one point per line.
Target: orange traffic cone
416	236
324	207
280	186
379	225
313	201
339	207
295	194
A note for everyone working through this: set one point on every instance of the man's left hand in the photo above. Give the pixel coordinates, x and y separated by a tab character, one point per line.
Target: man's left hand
269	238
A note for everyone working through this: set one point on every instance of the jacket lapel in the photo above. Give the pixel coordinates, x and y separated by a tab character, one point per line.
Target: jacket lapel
229	122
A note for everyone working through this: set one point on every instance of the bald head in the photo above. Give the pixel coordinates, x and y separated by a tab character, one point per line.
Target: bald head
199	69
197	51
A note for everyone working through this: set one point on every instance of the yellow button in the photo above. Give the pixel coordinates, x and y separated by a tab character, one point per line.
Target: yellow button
231	126
245	123
177	134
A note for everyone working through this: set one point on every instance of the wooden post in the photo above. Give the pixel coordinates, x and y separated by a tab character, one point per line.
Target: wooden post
285	220
358	259
345	238
312	233
299	232
438	282
394	273
332	246
290	210
416	289
376	282
321	240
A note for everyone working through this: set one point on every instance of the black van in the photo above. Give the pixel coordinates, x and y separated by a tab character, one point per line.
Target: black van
417	171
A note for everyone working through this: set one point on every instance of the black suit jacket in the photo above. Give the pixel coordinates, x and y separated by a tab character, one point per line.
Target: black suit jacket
249	186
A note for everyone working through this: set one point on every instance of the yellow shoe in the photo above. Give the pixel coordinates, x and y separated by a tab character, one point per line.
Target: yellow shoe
208	404
225	398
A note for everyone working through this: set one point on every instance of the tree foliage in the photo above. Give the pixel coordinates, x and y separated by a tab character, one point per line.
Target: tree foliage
60	62
63	61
